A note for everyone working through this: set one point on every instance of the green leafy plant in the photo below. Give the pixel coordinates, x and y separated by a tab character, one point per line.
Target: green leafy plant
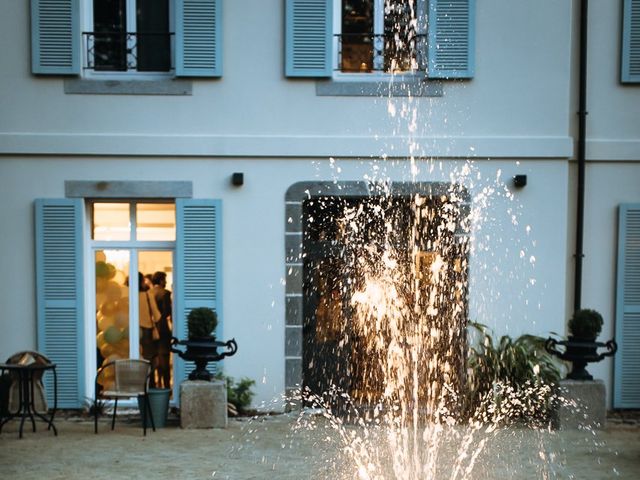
91	406
239	394
586	323
510	380
201	322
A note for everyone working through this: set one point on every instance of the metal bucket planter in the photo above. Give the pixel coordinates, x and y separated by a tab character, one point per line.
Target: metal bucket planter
159	402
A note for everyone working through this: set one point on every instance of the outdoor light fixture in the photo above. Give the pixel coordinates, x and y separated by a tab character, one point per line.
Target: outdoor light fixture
237	179
519	181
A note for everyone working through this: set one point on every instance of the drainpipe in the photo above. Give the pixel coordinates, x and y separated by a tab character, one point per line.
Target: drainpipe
582	123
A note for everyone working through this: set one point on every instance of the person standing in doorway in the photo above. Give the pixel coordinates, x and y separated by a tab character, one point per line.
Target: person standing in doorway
163	300
149	316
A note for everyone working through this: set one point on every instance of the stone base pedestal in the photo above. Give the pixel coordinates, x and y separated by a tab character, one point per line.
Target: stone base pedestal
582	405
203	404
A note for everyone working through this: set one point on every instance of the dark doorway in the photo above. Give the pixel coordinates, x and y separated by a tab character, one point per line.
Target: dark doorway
344	240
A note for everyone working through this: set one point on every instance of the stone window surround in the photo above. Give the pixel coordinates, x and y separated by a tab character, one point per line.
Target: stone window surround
294	197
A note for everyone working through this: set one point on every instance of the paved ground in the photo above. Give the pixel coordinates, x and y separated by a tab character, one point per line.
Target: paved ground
275	448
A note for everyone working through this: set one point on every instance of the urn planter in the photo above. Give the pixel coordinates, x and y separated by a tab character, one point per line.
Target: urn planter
201	351
580	352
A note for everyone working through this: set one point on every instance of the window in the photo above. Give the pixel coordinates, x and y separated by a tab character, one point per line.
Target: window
128	35
435	37
381	36
131	36
88	255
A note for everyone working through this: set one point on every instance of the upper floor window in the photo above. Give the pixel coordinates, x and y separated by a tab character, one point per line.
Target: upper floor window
387	36
118	36
434	37
129	36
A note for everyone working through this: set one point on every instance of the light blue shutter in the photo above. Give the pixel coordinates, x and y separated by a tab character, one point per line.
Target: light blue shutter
198	266
55	37
60	300
631	42
626	388
451	25
308	39
198	38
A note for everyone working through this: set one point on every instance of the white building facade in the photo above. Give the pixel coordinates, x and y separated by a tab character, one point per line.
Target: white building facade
155	112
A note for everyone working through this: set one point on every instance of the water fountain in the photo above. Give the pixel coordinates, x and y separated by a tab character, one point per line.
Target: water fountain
386	341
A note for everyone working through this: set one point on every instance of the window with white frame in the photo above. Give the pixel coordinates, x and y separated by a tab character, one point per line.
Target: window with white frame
128	36
379	36
145	37
328	38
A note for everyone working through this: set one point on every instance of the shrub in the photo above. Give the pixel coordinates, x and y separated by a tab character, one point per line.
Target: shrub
586	323
201	322
511	380
239	394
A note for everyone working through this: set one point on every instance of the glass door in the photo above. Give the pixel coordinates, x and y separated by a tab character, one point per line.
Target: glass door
132	261
112	305
155	305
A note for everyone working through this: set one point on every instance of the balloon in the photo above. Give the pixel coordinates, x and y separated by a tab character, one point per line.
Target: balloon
109	308
107	349
112	335
125	333
111	358
122	348
123	306
113	291
122	321
100	297
101	286
120	277
100	340
106	321
105	270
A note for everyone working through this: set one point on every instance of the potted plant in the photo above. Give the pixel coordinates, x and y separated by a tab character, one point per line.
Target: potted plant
201	345
201	323
586	325
581	347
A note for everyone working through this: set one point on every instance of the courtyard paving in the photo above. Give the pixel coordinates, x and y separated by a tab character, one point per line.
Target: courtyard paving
277	447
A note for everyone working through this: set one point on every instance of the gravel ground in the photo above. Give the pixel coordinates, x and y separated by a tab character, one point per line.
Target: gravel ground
276	447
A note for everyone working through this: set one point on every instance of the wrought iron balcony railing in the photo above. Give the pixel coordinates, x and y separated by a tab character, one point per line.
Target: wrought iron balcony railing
128	51
388	53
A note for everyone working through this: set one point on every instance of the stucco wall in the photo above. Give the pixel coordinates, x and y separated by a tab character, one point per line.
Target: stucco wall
502	294
517	104
608	185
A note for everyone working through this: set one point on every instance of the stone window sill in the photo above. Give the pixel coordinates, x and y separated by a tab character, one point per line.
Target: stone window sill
128	87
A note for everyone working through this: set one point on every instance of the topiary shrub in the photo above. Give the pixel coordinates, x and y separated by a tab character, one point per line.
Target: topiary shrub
202	322
586	323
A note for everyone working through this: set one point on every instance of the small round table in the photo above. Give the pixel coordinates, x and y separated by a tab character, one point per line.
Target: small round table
26	407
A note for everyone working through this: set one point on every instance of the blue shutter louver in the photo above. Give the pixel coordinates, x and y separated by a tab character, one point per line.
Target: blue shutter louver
627	360
55	37
60	295
451	25
198	265
198	38
631	42
308	39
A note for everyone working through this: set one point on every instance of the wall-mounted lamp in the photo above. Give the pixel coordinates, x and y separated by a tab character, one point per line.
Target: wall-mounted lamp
237	179
519	181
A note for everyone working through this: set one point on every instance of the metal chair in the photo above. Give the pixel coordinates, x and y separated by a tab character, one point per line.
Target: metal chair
124	379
